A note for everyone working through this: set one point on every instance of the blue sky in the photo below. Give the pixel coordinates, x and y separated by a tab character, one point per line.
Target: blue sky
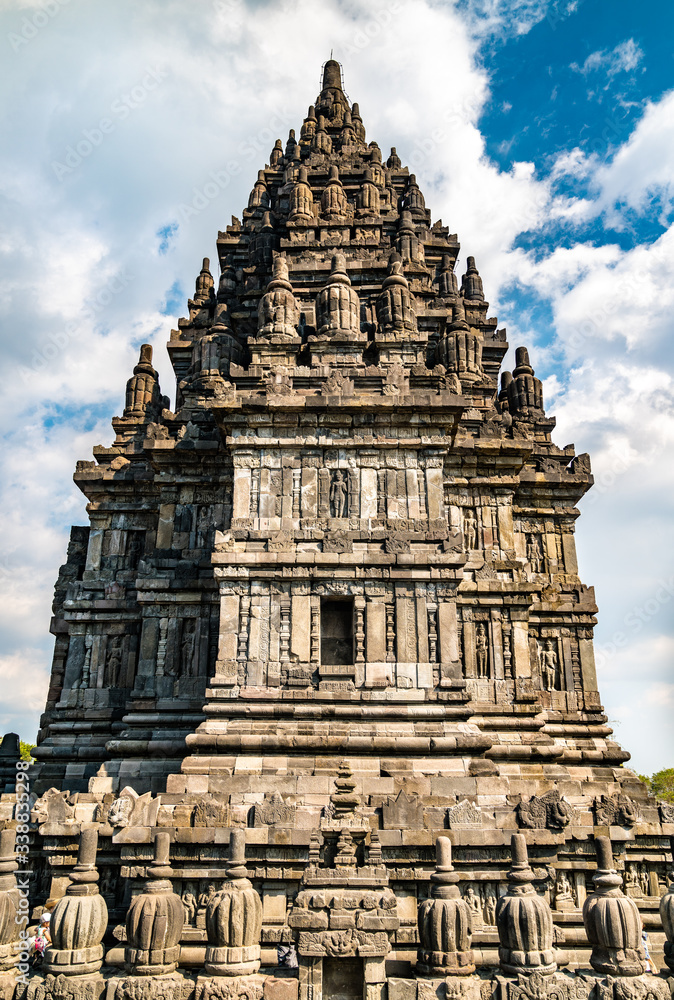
541	131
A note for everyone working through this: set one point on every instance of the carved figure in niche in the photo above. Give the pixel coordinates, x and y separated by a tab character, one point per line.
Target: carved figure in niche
564	895
490	907
134	548
113	661
190	907
205	526
338	495
107	884
549	666
535	554
182	523
482	651
469	529
644	881
474	901
632	883
187	648
204	899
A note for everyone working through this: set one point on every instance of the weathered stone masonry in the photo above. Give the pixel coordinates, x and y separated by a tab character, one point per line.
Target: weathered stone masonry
329	608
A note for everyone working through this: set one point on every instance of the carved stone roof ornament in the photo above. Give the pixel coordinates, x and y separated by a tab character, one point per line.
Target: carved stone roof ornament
154	921
524	919
612	921
444	922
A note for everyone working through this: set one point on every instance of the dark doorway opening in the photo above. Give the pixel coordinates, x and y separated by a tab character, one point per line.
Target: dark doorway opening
336	631
343	978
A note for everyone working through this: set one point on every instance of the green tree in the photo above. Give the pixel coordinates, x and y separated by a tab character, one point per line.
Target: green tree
661	784
26	750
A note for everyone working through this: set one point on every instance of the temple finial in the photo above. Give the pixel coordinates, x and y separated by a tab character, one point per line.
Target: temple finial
332	75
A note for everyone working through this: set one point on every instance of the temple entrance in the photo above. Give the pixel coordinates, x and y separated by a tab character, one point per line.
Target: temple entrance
336	631
342	979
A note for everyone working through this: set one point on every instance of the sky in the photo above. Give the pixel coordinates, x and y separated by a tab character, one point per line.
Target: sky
540	131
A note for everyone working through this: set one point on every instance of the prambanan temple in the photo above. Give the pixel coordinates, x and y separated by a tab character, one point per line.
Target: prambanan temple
323	719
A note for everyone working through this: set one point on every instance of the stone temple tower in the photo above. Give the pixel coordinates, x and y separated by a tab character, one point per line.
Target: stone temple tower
328	606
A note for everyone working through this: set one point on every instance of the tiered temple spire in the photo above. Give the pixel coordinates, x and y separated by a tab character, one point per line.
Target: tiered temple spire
327	610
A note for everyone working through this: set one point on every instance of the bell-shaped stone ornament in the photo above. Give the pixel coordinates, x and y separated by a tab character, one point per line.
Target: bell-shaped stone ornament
234	919
301	199
395	307
155	918
291	145
368	198
278	312
394	162
358	126
612	921
321	142
204	283
333	199
414	200
143	398
227	283
259	196
524	920
308	129
347	137
460	347
448	287
503	395
444	922
407	243
471	285
10	917
80	918
276	154
525	392
376	168
667	917
337	304
263	243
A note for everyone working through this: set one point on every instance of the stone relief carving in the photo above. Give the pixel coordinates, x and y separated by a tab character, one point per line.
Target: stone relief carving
187	648
404	812
666	812
550	810
63	987
52	807
482	651
549	665
464	815
616	810
274	811
535	554
564	894
469	529
210	813
241	988
338	495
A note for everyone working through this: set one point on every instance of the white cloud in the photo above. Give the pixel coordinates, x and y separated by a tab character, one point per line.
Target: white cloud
622	59
638	176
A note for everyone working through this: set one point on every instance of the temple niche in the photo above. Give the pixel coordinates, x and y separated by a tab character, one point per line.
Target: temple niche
323	718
